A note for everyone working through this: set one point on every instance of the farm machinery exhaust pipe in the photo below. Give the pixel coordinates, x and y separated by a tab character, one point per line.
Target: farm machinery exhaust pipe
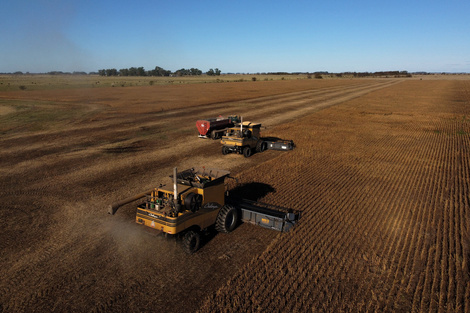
175	191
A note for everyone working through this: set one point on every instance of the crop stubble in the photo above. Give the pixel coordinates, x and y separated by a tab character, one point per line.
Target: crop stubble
382	181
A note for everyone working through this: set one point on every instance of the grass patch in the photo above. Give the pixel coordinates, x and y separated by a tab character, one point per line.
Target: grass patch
30	82
31	116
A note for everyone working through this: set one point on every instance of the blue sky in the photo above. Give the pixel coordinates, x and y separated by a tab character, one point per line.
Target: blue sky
235	36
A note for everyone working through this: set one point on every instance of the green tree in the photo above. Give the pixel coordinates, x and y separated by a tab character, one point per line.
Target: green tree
111	72
124	72
212	72
132	71
195	71
158	71
141	71
183	72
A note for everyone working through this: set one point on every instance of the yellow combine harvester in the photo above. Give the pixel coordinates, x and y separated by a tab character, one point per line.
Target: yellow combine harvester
243	138
195	201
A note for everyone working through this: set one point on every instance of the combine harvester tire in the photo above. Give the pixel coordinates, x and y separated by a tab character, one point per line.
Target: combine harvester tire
247	152
261	146
191	241
227	219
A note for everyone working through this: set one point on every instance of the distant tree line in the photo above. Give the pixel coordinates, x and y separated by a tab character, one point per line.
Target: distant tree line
377	74
157	71
51	73
355	74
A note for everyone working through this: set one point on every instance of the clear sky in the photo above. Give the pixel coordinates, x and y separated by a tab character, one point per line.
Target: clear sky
238	36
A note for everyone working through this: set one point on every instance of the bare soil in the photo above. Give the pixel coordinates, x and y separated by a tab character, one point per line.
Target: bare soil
380	172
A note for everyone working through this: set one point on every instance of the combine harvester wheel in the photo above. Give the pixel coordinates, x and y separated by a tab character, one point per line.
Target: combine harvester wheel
227	219
191	241
247	152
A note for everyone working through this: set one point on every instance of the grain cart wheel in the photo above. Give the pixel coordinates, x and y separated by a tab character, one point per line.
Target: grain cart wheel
260	146
225	150
191	242
227	219
247	152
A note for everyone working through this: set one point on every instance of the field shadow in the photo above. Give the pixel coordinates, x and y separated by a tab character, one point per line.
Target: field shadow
134	147
121	150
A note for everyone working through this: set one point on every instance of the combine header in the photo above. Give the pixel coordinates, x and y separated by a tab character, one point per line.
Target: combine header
280	144
196	200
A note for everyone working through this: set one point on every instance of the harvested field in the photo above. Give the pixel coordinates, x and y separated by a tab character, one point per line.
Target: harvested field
380	173
382	181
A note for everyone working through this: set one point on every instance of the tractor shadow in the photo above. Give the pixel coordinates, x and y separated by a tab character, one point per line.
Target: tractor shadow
251	191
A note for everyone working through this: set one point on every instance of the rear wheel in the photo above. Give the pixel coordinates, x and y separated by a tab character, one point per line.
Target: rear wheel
227	219
225	150
191	241
247	152
260	146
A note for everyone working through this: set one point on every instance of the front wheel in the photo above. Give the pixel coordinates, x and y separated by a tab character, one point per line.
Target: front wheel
261	146
247	152
191	241
227	219
225	150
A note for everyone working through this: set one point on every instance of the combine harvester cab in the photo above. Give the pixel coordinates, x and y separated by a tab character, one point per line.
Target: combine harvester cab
215	127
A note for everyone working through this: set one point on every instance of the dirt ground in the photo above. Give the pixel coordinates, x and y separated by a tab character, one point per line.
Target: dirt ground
364	172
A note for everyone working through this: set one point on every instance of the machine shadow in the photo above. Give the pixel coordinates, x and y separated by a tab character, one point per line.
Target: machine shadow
251	191
271	138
